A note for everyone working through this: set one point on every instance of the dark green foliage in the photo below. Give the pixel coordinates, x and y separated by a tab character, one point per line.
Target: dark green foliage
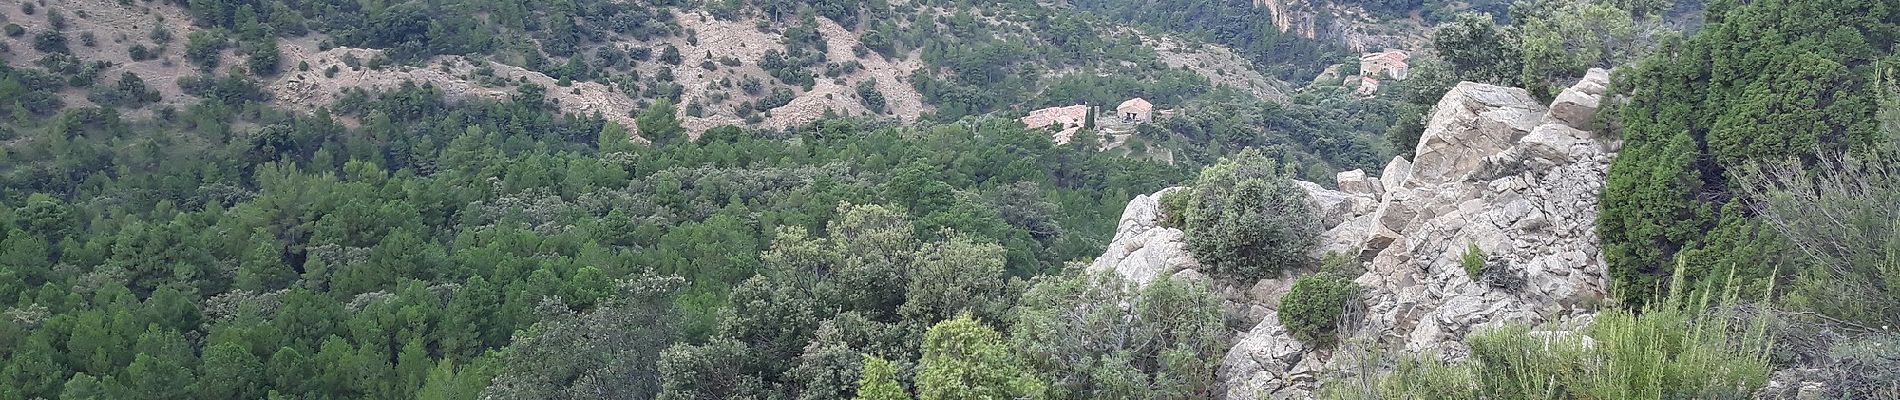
1248	219
400	257
1244	26
1321	132
50	42
623	338
1478	50
202	48
138	52
1316	305
670	55
14	30
1764	81
232	89
262	57
1097	335
659	123
872	98
1473	261
33	92
130	91
1174	208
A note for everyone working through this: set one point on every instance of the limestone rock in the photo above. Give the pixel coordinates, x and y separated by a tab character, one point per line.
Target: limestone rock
1258	361
1142	249
1472	121
1356	182
1395	173
1577	106
1333	206
1494	170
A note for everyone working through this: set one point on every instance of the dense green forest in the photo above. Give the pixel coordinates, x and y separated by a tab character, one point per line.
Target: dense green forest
1764	82
410	243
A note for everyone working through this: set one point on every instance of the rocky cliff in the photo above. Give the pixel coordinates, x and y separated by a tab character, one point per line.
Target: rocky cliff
1343	22
1494	169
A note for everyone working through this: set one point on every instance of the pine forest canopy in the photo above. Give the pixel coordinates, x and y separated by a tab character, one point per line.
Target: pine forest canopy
173	225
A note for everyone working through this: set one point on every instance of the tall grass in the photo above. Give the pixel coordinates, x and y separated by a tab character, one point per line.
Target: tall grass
1691	346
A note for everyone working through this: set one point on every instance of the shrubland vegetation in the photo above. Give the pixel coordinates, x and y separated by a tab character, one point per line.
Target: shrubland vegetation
403	244
430	248
1548	45
1748	220
1319	133
1248	220
1316	304
1684	347
1764	81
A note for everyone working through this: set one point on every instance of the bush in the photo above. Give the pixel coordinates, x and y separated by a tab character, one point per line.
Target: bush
1473	262
50	42
262	57
14	30
1679	348
202	47
160	35
873	99
1314	307
1842	214
1866	368
1248	219
131	91
1174	207
139	52
670	55
1061	323
56	19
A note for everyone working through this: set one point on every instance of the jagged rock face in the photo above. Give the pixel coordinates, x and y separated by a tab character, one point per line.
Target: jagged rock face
1517	179
1143	249
1474	120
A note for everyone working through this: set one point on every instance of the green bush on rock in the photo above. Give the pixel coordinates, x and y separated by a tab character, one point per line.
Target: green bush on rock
1247	219
1313	308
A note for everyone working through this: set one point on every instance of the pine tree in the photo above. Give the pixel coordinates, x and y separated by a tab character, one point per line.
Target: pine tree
229	371
660	122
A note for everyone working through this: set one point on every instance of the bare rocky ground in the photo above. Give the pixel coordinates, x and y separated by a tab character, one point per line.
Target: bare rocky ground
117	26
456	76
1218	64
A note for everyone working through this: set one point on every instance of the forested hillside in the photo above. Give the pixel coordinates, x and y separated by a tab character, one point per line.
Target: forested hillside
835	199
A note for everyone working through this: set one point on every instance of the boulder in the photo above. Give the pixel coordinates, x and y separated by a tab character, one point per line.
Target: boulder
1142	250
1356	182
1577	105
1472	121
1333	206
1394	174
1256	366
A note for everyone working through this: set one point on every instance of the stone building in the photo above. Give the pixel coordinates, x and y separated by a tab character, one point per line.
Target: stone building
1135	110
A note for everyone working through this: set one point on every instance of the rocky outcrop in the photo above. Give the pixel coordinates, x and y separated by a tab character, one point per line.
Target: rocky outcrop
1474	120
1143	249
1496	170
1345	23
